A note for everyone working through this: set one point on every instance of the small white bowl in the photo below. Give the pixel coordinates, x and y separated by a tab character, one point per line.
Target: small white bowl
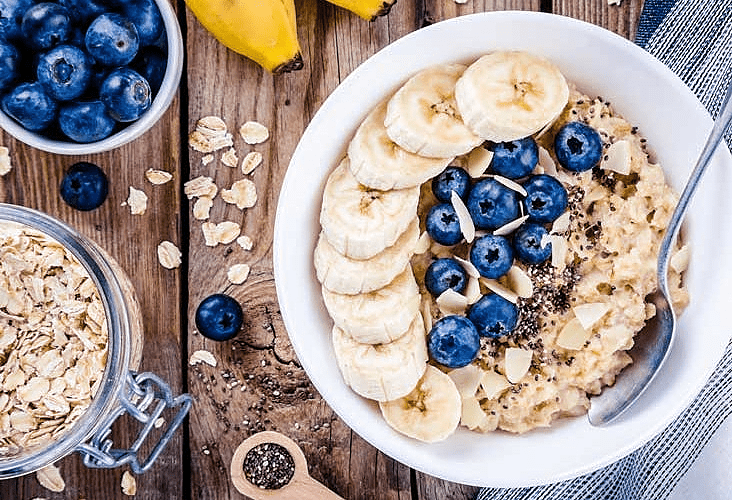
643	90
135	129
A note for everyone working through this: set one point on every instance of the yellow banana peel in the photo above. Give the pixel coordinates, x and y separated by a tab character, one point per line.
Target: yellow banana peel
368	9
262	30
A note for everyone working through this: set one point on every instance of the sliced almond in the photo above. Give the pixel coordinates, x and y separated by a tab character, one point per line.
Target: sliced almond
547	162
466	221
517	363
680	260
589	314
499	289
466	379
469	267
472	415
451	302
479	160
493	384
561	223
617	158
520	282
573	336
423	243
472	290
512	185
427	314
511	226
202	356
559	250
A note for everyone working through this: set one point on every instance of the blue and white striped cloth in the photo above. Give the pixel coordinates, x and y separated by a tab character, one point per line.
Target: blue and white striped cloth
694	39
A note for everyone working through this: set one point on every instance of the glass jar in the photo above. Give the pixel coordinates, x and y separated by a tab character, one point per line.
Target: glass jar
143	396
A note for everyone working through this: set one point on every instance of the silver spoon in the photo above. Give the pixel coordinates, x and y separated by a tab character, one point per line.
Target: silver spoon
653	342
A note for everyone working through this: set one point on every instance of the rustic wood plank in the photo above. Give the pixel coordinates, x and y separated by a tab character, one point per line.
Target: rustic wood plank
621	19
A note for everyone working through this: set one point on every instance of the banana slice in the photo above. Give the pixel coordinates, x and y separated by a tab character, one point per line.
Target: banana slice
341	274
383	371
379	163
431	412
504	96
377	317
422	116
359	221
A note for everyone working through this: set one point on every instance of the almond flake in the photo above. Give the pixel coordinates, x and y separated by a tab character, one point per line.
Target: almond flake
614	2
499	289
573	336
451	302
617	158
547	162
128	484
137	201
559	251
245	242
169	255
227	231
423	243
472	290
229	158
200	186
512	185
466	379
469	267
466	221
472	415
243	194
206	159
493	384
254	132
680	260
238	273
50	478
561	223
5	165
478	161
520	282
589	314
157	177
202	208
427	315
202	356
251	161
517	364
511	226
209	234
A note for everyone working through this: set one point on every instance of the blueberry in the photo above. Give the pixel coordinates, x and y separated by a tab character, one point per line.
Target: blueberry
491	204
453	341
151	63
8	64
492	255
451	179
85	121
515	159
30	106
527	243
126	94
219	317
578	146
146	17
493	316
46	25
83	11
546	198
64	72
84	186
443	274
112	40
11	18
443	226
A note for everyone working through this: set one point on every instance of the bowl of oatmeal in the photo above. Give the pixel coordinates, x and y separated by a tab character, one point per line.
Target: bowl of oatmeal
620	89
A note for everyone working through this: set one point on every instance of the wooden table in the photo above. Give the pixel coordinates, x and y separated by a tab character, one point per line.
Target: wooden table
271	390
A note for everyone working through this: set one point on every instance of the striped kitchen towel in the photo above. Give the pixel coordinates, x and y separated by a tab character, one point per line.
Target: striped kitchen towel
694	39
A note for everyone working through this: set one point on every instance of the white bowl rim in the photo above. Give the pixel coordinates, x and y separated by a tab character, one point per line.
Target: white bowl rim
160	104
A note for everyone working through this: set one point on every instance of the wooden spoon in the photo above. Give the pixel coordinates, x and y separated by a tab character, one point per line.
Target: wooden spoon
300	487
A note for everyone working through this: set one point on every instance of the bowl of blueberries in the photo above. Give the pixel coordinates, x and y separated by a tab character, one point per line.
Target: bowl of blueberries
86	76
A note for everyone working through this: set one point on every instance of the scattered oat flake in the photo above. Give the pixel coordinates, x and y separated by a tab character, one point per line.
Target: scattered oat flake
129	485
229	158
202	207
209	234
254	132
200	186
251	161
5	165
243	194
245	242
137	201
159	423
210	135
614	2
238	273
158	177
227	231
201	356
206	159
50	478
169	255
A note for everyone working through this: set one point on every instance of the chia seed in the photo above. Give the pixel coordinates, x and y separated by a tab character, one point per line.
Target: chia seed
269	466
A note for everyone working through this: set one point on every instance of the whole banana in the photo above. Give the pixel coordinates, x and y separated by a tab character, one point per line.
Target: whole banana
368	9
262	30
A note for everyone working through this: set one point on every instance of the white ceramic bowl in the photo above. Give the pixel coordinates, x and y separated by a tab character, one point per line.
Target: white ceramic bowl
135	129
599	63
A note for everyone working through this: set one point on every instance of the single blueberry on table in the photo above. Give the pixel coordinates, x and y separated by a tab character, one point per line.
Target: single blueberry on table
451	179
29	105
528	246
443	274
492	255
11	18
453	341
84	186
64	72
219	317
46	25
491	204
442	224
151	63
515	159
112	40
8	64
546	198
146	17
85	121
126	94
493	316
578	146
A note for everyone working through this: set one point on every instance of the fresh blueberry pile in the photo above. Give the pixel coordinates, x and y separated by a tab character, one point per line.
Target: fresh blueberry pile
454	340
80	69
